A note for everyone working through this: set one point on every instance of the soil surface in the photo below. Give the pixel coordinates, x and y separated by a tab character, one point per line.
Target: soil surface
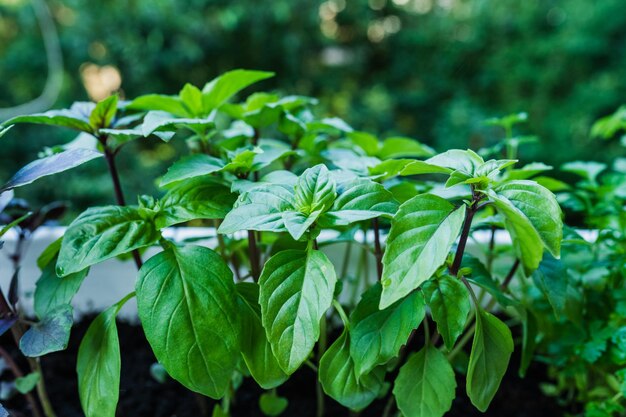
143	396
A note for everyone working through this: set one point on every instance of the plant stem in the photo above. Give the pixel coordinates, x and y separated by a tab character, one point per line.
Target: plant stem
119	194
458	257
378	252
321	348
254	256
461	343
510	275
490	252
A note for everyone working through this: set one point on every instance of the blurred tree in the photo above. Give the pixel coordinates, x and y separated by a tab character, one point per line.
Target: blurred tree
431	69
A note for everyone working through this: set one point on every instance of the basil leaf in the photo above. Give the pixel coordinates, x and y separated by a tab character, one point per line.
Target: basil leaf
197	198
52	291
159	121
27	383
51	334
491	351
540	207
255	348
315	190
359	200
50	165
260	209
101	233
159	102
219	90
377	335
449	304
425	386
99	365
296	290
339	379
188	308
104	112
422	234
191	167
61	118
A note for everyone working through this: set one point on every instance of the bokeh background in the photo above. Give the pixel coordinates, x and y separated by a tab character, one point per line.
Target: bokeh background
430	69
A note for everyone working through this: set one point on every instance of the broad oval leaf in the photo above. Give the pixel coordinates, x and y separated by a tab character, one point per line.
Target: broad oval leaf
540	207
190	167
449	304
315	190
50	165
296	290
99	365
188	308
62	118
197	198
159	102
27	383
255	348
158	121
51	334
399	147
261	208
104	112
425	386
422	234
491	351
101	233
359	200
339	380
466	162
377	335
52	291
219	90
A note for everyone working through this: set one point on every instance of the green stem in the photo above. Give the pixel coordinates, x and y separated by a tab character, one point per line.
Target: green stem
462	342
321	348
342	314
378	252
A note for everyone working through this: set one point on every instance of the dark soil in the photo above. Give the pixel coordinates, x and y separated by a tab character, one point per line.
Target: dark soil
142	396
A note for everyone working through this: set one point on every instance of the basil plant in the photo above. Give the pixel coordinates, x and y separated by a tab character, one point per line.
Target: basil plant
282	189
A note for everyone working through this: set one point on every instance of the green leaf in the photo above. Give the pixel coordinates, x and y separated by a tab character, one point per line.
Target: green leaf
158	121
14	223
272	405
466	162
261	209
50	335
532	217
588	170
491	351
196	198
449	304
315	190
551	278
421	236
377	335
541	208
52	291
191	97
27	383
219	90
296	290
399	147
190	167
529	338
159	102
104	112
4	130
359	200
101	233
62	118
421	167
99	365
339	379
187	304
298	223
49	253
255	348
425	386
50	165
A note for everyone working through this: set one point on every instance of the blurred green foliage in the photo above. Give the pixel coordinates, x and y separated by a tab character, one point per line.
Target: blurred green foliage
430	69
